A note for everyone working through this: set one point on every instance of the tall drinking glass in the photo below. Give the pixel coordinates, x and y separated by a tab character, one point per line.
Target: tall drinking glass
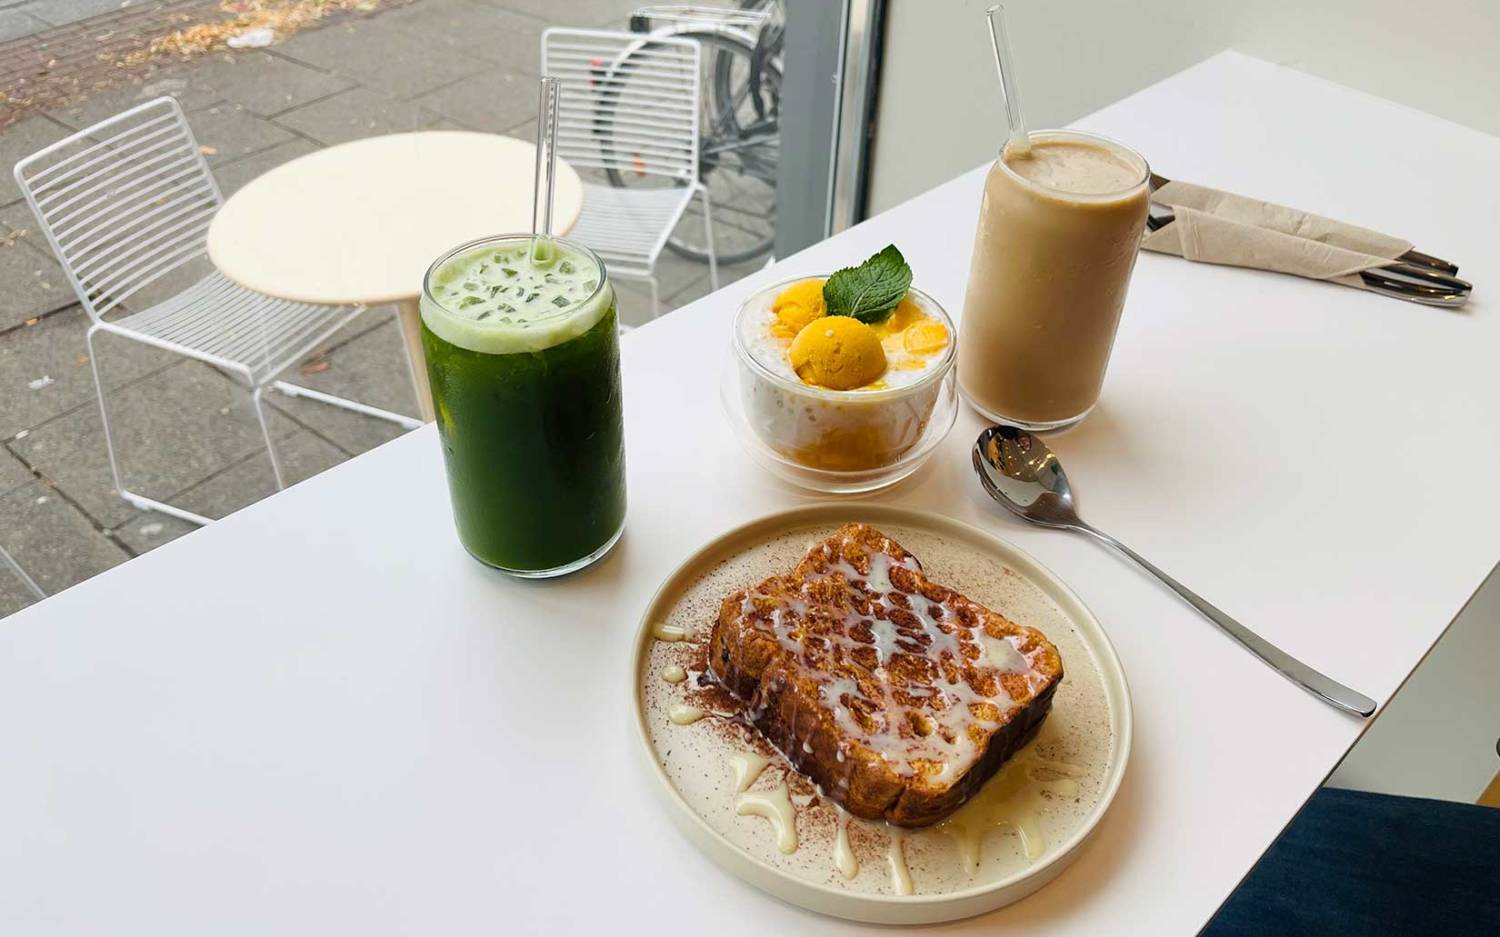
1059	229
523	354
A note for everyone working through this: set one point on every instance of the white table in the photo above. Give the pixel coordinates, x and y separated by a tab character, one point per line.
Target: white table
319	716
362	221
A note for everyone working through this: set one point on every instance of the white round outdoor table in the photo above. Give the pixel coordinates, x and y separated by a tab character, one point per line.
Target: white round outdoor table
360	223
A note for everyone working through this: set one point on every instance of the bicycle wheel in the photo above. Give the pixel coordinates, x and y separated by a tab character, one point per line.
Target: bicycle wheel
739	148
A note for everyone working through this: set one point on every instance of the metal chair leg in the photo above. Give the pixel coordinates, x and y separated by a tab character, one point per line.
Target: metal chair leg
109	442
708	238
140	502
379	413
9	561
655	296
265	431
344	403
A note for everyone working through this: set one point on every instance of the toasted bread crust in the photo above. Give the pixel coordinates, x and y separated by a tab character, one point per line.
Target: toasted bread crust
893	693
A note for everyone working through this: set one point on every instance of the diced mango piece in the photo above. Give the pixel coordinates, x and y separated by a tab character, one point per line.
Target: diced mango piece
924	338
906	314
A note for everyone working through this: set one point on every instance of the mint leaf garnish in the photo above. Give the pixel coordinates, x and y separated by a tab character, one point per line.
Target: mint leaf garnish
870	291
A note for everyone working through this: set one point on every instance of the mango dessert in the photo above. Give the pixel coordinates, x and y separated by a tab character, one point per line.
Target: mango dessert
842	373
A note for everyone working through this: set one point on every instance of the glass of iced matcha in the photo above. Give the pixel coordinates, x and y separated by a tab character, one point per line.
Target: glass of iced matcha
523	354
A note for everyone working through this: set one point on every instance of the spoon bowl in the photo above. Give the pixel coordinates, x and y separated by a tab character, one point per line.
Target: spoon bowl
1020	472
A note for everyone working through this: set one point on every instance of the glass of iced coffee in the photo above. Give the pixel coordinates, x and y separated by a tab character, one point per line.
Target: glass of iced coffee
1058	234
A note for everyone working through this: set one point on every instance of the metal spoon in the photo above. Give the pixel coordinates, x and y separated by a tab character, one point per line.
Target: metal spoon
1020	472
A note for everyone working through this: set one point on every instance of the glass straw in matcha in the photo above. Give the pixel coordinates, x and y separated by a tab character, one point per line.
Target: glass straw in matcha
544	186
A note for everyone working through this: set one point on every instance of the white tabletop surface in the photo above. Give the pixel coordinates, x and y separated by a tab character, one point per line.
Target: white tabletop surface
320	716
362	221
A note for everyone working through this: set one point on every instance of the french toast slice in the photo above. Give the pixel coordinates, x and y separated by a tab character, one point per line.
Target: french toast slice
898	696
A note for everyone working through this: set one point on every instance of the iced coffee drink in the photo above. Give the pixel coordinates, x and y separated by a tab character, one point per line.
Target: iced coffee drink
1057	239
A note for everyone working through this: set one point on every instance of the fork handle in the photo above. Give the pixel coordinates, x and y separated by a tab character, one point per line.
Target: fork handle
1314	682
1427	260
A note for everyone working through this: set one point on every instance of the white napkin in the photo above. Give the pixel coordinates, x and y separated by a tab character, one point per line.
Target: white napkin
1222	228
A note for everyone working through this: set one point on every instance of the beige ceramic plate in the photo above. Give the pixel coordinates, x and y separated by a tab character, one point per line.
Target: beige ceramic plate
1028	822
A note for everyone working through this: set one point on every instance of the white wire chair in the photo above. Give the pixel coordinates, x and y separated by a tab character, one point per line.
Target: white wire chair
126	203
629	106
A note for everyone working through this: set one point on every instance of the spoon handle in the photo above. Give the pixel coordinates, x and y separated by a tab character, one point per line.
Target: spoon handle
1288	666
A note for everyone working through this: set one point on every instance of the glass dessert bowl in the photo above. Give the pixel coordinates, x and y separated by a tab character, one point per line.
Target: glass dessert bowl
837	405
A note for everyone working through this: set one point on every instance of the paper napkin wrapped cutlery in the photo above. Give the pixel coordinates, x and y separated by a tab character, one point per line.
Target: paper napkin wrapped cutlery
1222	228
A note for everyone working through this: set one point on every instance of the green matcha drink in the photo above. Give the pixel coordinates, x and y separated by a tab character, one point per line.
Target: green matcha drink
524	358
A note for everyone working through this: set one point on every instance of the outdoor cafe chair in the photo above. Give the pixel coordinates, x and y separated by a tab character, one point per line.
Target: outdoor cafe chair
629	106
126	203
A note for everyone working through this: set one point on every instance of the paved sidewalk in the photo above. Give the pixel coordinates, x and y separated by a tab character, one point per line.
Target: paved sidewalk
185	431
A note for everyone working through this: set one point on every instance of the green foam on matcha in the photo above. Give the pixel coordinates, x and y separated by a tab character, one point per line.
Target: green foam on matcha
498	298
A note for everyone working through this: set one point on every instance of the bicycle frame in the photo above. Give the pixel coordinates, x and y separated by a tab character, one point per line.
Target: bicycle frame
768	128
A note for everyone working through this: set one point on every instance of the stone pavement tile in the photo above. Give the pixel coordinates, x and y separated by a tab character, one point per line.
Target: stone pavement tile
526	131
233	176
480	29
634	302
17	218
371	369
55	349
735	229
14	24
634	296
381	56
19	141
33	283
172	429
266	84
227	132
302	454
574	12
676	272
13	595
354	114
185	83
63	12
694	290
52	540
490	101
13	472
372	318
147	530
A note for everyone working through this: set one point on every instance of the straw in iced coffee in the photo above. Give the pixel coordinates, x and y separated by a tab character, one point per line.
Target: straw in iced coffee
1018	143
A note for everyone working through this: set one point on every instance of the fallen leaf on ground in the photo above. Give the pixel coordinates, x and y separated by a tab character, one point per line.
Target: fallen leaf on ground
280	17
207	150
